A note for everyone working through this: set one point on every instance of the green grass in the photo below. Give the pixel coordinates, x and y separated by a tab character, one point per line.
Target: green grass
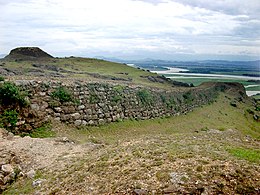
257	97
91	65
42	132
255	88
252	155
23	186
198	81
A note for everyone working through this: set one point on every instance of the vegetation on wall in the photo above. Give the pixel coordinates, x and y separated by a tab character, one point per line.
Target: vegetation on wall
63	95
12	98
10	94
9	119
145	97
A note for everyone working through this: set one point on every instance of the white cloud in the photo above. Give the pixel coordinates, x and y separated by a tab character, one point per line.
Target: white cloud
129	26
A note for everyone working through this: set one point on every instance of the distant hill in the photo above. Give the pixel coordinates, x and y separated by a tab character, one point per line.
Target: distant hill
26	53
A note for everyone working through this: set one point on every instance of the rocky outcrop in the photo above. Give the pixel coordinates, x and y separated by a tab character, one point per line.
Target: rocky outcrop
27	53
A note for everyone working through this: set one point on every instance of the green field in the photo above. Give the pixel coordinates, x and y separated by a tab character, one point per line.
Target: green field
198	81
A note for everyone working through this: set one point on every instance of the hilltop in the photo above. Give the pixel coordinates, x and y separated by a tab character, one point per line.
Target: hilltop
27	53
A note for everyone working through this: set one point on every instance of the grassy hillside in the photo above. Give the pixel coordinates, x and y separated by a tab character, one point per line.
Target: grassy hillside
81	68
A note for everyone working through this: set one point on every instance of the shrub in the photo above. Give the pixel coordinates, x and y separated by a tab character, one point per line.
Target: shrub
188	97
170	103
118	93
62	94
2	78
116	98
9	119
11	94
145	96
93	99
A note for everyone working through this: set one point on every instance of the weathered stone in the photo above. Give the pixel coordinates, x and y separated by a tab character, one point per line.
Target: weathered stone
42	93
57	114
68	109
58	109
89	111
7	168
91	122
84	123
35	107
101	121
78	122
57	119
81	107
140	192
65	117
37	182
30	174
75	116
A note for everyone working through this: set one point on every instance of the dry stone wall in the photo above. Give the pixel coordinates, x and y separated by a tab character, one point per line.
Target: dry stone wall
97	104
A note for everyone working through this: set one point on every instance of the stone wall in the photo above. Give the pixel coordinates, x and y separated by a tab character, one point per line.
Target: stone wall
97	104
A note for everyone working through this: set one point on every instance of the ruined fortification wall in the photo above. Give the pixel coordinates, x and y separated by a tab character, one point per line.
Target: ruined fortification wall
96	104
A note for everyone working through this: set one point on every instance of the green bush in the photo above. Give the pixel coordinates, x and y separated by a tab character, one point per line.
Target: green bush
188	97
170	102
93	99
9	119
62	94
118	93
145	96
11	94
2	78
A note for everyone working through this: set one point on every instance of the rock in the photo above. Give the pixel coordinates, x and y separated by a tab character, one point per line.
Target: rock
30	174
91	122
78	122
9	178
20	123
169	190
89	111
37	182
101	121
7	168
10	136
3	132
58	109
81	107
84	123
140	192
75	116
35	107
64	140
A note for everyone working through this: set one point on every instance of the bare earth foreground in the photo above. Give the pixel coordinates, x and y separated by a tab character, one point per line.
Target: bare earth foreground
213	150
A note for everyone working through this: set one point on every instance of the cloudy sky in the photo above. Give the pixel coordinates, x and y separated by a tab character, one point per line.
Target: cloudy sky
134	29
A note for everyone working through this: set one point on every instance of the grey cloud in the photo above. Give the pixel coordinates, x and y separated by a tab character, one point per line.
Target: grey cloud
232	7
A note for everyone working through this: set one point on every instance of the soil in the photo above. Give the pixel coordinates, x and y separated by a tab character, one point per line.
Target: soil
193	163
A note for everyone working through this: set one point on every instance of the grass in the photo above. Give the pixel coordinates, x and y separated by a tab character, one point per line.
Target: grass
91	65
198	81
252	155
24	186
42	132
255	88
